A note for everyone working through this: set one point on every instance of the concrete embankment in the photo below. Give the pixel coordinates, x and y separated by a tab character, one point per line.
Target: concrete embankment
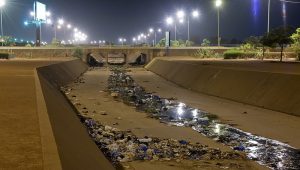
274	86
75	148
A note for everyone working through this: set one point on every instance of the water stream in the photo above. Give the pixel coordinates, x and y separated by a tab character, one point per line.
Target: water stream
268	152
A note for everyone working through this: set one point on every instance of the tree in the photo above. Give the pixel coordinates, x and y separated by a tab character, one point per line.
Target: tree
253	41
205	42
161	43
296	42
279	36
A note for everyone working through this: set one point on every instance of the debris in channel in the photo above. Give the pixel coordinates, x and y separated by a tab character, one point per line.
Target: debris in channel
271	153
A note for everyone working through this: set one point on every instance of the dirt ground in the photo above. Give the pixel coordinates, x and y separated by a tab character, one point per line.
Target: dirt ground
92	95
20	141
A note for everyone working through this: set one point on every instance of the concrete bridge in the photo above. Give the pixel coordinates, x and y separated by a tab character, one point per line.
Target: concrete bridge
62	52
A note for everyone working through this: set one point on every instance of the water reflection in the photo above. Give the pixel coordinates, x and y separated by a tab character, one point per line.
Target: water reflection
271	153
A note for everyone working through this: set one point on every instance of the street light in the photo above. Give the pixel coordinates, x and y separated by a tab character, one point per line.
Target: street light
61	22
2	4
218	5
269	10
69	26
195	14
151	30
122	40
180	14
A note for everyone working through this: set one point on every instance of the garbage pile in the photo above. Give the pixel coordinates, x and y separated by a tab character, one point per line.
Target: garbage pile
271	153
123	146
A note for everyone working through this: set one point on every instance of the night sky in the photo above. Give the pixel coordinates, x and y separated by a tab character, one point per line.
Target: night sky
110	19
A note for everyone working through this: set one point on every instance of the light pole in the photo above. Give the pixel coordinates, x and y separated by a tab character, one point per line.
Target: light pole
195	14
269	10
218	5
170	21
2	3
122	41
151	30
180	16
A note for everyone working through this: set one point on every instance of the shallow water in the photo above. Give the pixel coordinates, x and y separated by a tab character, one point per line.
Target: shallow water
273	154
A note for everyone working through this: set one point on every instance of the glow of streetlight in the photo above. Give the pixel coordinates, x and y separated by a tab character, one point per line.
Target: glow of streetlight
169	20
48	14
32	13
48	21
180	14
181	21
195	14
218	3
58	27
2	3
151	30
69	26
75	29
134	39
61	22
159	30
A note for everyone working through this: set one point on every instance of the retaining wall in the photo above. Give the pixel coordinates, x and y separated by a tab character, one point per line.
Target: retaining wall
271	90
76	149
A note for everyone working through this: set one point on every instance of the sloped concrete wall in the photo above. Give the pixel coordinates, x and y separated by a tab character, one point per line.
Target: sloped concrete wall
275	91
76	149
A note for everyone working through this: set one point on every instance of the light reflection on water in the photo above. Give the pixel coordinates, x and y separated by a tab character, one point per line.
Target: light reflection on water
271	153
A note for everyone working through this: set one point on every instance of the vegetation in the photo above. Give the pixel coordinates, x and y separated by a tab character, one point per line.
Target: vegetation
4	55
280	36
7	41
253	42
205	42
161	43
233	54
78	53
177	43
296	42
206	53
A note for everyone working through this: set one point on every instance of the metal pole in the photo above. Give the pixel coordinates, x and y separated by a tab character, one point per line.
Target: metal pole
2	39
154	38
175	31
188	28
219	27
269	10
55	33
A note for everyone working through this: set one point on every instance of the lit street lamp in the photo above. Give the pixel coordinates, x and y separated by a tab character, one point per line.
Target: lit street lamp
170	21
195	14
218	5
2	3
151	30
122	41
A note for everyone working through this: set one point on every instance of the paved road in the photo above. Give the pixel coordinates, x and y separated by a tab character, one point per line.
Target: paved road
20	140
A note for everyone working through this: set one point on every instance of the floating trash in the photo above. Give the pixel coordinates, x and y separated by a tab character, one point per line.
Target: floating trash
268	152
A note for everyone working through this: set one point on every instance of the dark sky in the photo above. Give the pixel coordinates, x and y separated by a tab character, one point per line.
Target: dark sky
111	19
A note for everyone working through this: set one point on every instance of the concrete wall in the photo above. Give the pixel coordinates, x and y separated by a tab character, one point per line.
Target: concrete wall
76	149
271	90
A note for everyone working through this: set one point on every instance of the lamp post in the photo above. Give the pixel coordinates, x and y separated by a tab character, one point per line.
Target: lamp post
180	16
195	14
218	5
170	21
151	30
2	3
269	10
122	41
